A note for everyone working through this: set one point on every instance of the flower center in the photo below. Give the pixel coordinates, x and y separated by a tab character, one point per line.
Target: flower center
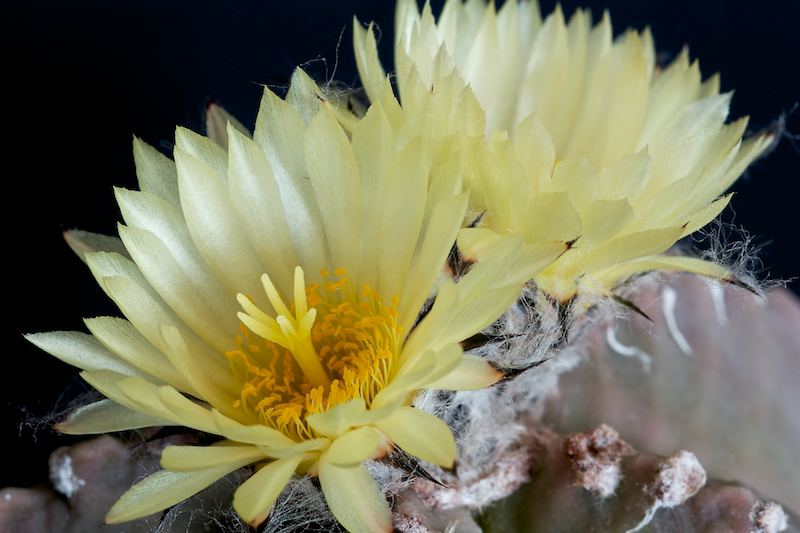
330	346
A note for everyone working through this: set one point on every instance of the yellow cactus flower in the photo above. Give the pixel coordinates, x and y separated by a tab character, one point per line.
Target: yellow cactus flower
587	140
332	244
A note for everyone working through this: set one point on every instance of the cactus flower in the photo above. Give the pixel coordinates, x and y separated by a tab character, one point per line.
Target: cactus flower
273	297
587	140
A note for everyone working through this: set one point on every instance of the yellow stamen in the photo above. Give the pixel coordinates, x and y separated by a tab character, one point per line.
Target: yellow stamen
294	330
297	365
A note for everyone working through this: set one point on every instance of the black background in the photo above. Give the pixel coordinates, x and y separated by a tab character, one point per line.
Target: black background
84	76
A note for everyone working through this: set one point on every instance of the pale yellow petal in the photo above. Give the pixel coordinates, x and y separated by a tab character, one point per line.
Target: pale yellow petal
702	217
106	416
214	383
146	397
147	315
627	177
373	148
337	420
164	274
256	198
279	132
314	446
512	263
445	360
657	210
660	262
604	219
309	97
164	489
750	149
533	147
615	106
107	382
576	177
439	237
393	395
483	66
561	127
676	86
83	351
147	212
422	435
83	242
191	413
494	163
369	66
334	175
546	72
191	458
250	434
219	238
432	326
139	308
128	343
613	253
156	173
677	162
533	258
109	265
552	217
447	176
416	372
473	242
472	373
394	112
485	292
354	499
204	150
401	215
304	95
354	447
691	120
254	498
218	119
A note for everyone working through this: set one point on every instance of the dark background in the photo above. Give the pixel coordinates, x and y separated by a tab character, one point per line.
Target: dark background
85	76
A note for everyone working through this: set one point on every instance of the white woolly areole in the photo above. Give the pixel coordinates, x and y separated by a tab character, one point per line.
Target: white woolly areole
511	472
595	457
63	477
768	517
679	478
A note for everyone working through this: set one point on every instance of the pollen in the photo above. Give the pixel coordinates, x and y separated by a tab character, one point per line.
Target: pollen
331	345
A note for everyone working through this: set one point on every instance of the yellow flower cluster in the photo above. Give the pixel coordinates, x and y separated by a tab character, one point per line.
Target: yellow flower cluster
577	157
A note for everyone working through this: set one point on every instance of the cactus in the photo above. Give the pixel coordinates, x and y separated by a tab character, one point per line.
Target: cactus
594	482
652	364
730	400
